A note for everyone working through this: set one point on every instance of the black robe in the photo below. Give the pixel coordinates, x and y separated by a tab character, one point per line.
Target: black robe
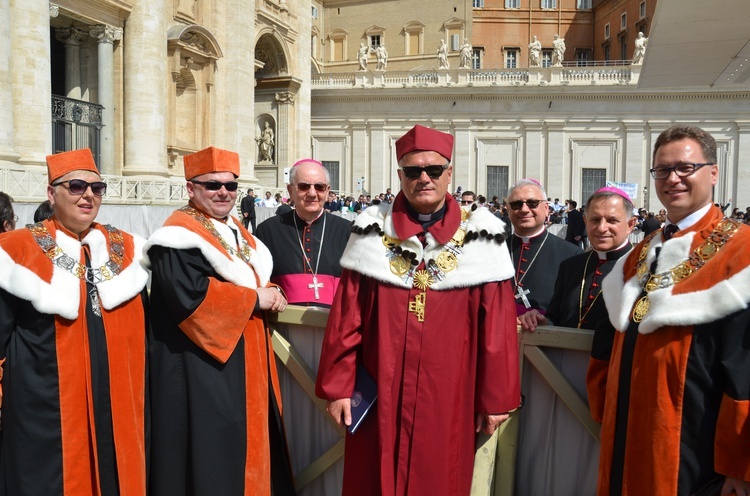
566	301
282	238
539	277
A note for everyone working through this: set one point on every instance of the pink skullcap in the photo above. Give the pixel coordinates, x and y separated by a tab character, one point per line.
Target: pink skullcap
307	161
533	181
421	139
617	191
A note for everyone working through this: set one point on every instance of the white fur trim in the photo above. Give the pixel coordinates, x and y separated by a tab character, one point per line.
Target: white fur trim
700	307
233	269
61	296
481	260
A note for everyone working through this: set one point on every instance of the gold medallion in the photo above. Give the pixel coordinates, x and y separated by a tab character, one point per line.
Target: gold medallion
641	309
399	266
653	283
446	261
422	280
707	250
681	272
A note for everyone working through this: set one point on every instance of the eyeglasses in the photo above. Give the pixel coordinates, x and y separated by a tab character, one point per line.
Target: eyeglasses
518	204
319	187
15	219
682	170
216	185
79	186
467	202
433	171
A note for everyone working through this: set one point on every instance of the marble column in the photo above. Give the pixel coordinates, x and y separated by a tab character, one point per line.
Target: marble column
534	155
146	75
736	166
359	146
106	36
556	171
7	149
72	38
235	82
285	104
636	159
464	165
31	79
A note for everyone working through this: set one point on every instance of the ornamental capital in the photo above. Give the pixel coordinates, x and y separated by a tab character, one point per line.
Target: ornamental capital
71	36
54	10
104	33
285	97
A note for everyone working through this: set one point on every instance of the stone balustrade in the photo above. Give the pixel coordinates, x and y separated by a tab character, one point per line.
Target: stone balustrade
607	74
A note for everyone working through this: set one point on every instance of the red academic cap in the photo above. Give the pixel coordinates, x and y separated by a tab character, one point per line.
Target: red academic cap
420	138
211	159
60	164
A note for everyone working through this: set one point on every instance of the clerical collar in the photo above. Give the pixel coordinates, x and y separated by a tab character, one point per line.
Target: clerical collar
311	222
691	219
526	239
614	254
426	219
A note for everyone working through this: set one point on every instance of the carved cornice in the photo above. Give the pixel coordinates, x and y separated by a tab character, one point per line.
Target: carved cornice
285	98
105	34
71	36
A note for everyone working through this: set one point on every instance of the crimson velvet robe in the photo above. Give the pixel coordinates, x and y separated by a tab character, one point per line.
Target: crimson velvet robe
433	377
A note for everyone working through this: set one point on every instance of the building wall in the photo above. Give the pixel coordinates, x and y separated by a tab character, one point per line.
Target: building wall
391	19
554	134
610	12
497	28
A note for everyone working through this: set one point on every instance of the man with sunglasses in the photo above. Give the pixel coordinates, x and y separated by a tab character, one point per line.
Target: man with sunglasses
676	406
73	346
307	242
536	252
425	306
216	406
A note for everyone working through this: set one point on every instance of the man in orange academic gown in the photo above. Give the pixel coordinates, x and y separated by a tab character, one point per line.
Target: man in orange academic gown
425	305
675	410
216	409
73	343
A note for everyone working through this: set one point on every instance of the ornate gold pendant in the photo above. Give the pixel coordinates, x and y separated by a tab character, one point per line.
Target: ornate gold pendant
422	280
446	261
641	309
400	266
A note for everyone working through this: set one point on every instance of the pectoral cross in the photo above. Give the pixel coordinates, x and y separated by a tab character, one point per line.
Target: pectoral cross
521	295
417	306
314	286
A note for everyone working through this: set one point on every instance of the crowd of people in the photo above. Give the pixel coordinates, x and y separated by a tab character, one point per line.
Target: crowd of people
109	388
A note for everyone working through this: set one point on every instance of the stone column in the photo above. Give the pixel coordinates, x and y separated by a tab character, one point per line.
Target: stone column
31	79
359	146
735	167
72	39
235	83
146	77
106	36
464	165
533	153
636	155
555	172
7	150
285	104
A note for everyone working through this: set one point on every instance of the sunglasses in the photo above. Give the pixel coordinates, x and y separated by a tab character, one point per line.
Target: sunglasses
79	186
467	202
518	204
433	171
216	185
319	187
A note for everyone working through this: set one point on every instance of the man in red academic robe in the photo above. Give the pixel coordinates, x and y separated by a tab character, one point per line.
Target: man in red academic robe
675	410
216	409
425	305
72	346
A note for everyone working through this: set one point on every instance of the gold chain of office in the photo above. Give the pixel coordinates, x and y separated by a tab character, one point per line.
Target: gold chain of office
93	275
244	253
702	254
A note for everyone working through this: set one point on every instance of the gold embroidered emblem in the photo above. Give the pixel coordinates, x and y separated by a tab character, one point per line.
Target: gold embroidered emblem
417	306
422	280
446	261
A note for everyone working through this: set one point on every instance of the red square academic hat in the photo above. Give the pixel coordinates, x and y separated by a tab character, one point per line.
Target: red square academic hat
60	164
211	159
420	138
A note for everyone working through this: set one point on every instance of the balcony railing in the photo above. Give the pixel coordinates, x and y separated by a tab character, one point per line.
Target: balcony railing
75	125
617	72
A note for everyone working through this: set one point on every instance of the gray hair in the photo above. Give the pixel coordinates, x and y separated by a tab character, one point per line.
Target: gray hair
526	182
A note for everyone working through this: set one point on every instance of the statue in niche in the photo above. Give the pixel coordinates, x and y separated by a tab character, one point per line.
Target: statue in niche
535	53
381	54
442	55
466	50
266	143
558	51
640	49
362	54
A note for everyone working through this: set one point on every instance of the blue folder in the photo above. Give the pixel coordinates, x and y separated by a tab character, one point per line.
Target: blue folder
364	397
